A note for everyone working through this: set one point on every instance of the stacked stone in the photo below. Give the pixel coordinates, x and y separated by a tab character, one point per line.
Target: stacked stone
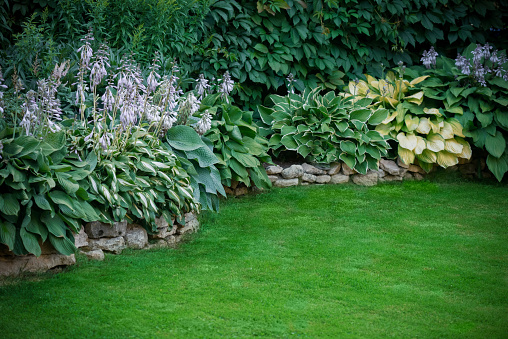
94	239
340	173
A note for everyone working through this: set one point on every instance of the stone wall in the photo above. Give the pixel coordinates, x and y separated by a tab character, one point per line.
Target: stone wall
96	238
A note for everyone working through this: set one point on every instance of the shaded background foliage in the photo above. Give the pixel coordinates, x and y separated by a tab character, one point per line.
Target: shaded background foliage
322	42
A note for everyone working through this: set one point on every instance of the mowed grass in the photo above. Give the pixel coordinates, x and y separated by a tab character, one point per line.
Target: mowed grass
408	260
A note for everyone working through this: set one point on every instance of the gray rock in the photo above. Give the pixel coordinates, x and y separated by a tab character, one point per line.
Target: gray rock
97	229
389	167
369	179
334	168
380	173
323	179
286	182
391	178
159	243
12	266
271	170
408	176
94	255
418	176
305	183
46	262
114	245
273	178
136	236
81	239
415	169
347	171
339	179
191	224
162	228
312	170
295	171
308	177
401	164
241	191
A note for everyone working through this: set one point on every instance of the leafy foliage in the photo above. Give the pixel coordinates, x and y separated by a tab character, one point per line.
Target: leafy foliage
321	41
237	144
326	128
424	134
480	109
140	181
197	158
42	198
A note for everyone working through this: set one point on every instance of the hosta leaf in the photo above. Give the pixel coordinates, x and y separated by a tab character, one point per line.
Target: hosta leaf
446	159
498	166
30	242
435	142
446	131
361	167
7	234
348	147
423	126
418	80
453	146
420	145
348	159
183	138
246	160
433	111
407	156
361	114
304	150
289	142
67	183
42	202
54	224
53	142
466	149
416	98
61	198
62	245
412	123
384	129
379	116
456	126
10	204
496	144
407	141
427	156
238	168
204	156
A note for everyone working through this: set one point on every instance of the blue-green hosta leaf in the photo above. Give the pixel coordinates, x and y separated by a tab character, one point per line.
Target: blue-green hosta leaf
7	234
62	244
259	177
502	118
54	224
10	204
35	226
42	202
67	183
238	168
28	143
498	166
204	156
183	138
53	142
30	242
496	144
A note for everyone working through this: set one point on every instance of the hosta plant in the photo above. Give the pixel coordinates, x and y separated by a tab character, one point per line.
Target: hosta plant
236	143
195	153
474	89
140	181
423	134
326	128
42	196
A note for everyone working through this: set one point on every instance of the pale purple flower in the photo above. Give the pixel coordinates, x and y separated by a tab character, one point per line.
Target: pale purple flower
226	86
201	86
108	100
429	58
291	80
463	64
204	124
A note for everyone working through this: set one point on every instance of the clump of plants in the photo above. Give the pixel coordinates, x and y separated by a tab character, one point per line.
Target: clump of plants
326	128
473	89
425	135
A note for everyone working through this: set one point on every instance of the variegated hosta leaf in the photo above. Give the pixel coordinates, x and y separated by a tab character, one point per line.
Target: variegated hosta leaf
418	80
423	126
412	123
434	125
453	146
433	111
456	127
435	142
358	89
420	145
446	131
390	117
427	156
466	149
407	141
407	156
384	129
416	98
446	159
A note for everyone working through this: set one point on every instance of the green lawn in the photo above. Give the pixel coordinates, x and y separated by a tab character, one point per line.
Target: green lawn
408	260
